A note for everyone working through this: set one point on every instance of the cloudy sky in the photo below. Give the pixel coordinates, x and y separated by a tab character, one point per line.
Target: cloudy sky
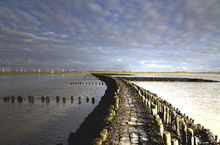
130	35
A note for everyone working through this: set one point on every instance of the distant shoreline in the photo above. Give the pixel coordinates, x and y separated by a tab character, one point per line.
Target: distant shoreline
110	73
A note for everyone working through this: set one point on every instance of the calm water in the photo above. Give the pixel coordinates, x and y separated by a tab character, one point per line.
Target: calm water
199	101
41	123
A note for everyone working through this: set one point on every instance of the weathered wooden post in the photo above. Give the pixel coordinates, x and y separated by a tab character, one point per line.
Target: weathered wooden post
79	100
29	98
64	99
161	129
143	99
190	137
168	115
184	132
42	99
20	99
158	106
178	125
87	99
47	99
216	138
160	123
164	114
196	140
167	138
4	99
175	141
149	104
57	99
12	99
153	109
93	100
72	99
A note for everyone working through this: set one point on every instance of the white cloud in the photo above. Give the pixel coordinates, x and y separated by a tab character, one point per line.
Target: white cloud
176	35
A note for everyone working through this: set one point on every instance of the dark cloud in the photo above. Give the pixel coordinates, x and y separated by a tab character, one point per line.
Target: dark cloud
152	35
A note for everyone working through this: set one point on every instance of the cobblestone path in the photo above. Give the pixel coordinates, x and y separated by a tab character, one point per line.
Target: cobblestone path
134	125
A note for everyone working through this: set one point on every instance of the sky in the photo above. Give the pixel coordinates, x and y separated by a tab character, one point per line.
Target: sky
111	35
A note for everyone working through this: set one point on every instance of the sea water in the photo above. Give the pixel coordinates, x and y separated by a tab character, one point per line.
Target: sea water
198	100
41	123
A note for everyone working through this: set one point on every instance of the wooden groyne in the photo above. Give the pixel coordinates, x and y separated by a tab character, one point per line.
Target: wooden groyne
175	128
128	114
48	99
166	79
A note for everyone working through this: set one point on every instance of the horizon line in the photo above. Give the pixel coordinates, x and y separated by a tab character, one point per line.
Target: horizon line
105	72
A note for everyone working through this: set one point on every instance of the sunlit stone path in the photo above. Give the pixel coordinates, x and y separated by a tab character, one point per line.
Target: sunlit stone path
134	123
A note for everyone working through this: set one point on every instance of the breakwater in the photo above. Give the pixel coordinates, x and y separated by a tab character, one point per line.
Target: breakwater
175	128
129	114
166	79
134	123
94	129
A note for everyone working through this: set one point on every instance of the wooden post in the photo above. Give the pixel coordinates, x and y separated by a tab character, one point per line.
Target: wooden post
167	138
190	137
158	106
149	104
161	130
160	123
57	99
146	102
216	138
184	133
168	115
29	98
42	99
87	99
164	114
47	99
20	99
175	141
142	97
196	140
153	109
93	100
12	99
178	125
64	99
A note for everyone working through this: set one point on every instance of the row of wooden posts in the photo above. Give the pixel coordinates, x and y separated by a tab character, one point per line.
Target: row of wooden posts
90	79
100	83
175	127
46	99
